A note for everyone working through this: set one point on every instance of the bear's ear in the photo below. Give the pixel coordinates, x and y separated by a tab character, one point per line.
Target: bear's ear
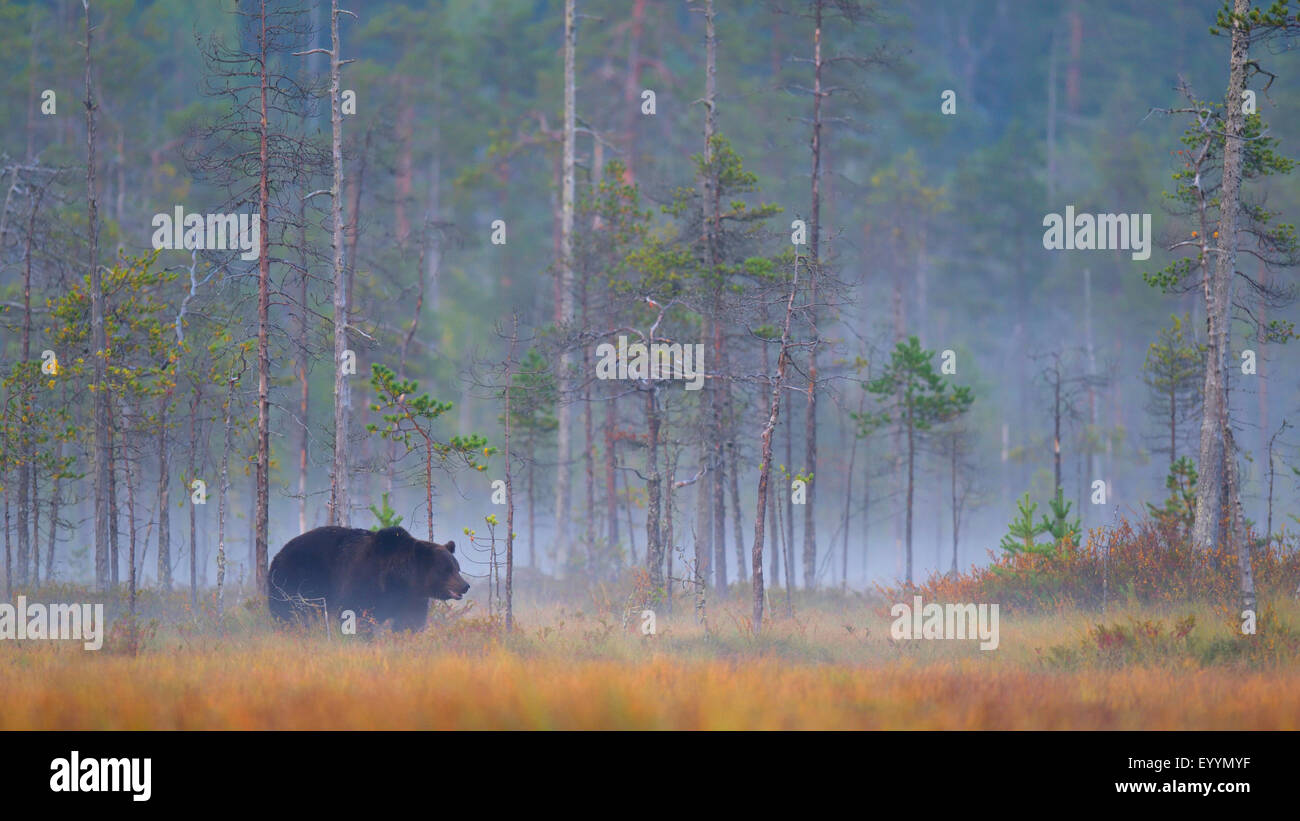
451	546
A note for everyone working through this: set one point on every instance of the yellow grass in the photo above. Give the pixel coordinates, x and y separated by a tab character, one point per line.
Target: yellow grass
833	668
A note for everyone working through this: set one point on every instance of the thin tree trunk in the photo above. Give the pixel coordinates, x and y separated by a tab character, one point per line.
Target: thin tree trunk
304	384
99	344
788	494
1210	504
339	502
222	493
611	484
848	501
55	493
774	538
27	464
866	511
404	129
953	489
36	528
654	548
1240	542
532	532
510	488
765	461
192	473
164	507
814	276
713	325
564	303
113	513
631	88
703	540
131	536
588	452
733	473
261	509
9	556
911	472
669	534
719	511
1056	428
1092	392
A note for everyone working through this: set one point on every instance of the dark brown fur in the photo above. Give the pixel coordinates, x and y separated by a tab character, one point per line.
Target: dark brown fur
383	575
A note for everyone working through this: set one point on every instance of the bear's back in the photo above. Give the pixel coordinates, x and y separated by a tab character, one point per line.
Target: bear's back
310	563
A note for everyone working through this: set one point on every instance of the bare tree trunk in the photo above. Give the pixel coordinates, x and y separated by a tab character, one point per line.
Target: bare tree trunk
955	516
669	534
774	537
36	528
99	341
113	515
1240	542
765	462
222	493
588	452
532	532
510	488
788	495
1056	427
848	501
55	493
192	474
1092	392
703	539
713	326
9	556
814	275
27	464
866	510
261	509
611	483
33	103
564	304
339	502
654	548
404	129
733	473
304	384
130	525
911	473
1210	504
631	87
164	507
719	510
1261	394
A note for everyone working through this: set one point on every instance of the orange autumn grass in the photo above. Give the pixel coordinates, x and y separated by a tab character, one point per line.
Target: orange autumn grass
262	689
826	669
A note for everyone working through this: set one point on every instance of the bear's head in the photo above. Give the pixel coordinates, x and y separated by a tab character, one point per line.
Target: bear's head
442	572
434	568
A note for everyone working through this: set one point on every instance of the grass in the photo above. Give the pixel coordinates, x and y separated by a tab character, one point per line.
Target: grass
833	666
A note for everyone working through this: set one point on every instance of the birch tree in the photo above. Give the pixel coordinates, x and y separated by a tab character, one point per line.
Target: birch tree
339	505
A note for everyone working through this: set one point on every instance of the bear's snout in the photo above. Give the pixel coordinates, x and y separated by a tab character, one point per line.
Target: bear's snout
458	586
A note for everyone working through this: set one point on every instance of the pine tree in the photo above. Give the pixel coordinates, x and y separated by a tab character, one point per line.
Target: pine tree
916	398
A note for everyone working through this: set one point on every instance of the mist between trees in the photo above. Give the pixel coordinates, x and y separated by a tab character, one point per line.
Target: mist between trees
737	296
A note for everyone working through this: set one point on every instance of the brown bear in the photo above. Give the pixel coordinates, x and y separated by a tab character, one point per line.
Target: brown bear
378	575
